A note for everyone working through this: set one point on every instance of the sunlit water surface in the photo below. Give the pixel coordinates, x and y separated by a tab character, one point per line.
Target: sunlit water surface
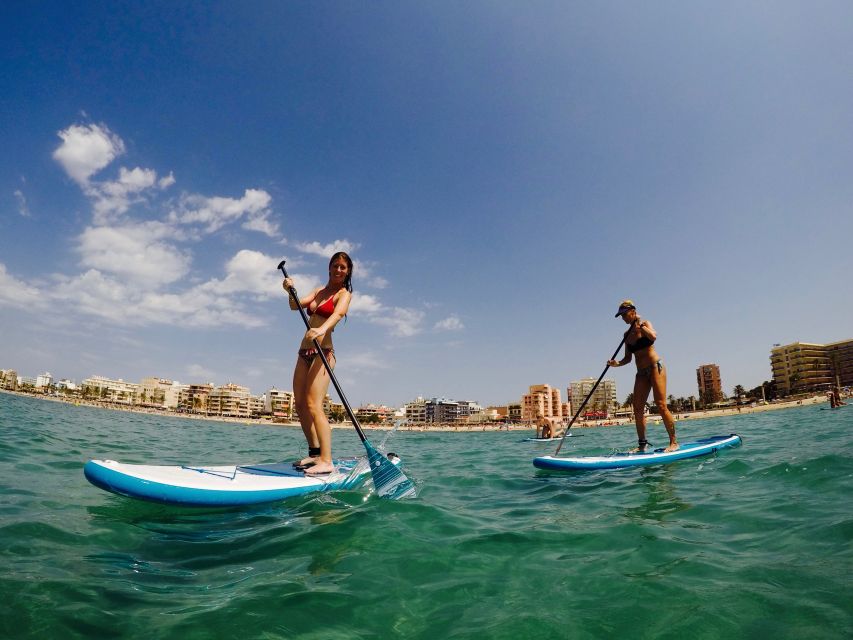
752	543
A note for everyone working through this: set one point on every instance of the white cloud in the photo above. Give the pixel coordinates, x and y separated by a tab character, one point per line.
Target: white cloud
327	250
17	293
120	302
166	181
134	251
23	209
249	272
114	198
400	321
451	323
261	222
364	304
363	272
86	149
366	361
198	372
216	212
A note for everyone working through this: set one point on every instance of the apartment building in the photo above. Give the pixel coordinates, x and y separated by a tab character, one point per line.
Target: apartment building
193	397
230	400
152	391
804	367
440	410
44	380
542	400
603	399
8	379
110	390
709	383
382	413
279	404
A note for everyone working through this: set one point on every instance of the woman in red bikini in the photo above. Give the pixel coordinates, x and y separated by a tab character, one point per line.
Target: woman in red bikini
651	374
325	307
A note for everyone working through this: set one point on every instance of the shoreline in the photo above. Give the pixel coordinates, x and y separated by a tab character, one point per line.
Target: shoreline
451	427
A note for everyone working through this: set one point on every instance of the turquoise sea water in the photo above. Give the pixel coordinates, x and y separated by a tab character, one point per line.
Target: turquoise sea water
754	543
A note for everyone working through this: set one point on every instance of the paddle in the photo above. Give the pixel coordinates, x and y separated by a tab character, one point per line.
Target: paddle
594	387
388	480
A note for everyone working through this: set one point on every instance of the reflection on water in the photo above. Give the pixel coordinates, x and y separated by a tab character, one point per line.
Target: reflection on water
662	499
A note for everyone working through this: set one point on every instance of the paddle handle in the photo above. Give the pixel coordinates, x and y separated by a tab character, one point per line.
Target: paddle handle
594	387
292	291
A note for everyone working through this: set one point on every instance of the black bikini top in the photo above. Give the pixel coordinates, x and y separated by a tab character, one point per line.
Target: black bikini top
642	343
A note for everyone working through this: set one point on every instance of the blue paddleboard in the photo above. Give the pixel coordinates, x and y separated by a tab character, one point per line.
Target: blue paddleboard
220	486
695	449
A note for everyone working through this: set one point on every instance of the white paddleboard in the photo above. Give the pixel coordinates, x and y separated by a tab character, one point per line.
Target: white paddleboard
220	486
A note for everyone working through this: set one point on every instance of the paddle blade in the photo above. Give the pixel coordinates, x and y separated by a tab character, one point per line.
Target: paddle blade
388	480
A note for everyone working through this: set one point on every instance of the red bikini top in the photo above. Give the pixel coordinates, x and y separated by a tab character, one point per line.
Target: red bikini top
326	309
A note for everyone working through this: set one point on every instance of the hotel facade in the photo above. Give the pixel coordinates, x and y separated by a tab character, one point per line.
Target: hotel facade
806	367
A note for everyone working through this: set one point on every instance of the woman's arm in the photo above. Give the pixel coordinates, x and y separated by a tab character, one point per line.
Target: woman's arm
647	330
287	284
625	360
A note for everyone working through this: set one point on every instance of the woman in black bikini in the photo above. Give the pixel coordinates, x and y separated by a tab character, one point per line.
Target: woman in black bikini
651	374
325	306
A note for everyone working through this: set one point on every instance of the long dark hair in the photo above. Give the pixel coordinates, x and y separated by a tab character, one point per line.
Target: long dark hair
348	260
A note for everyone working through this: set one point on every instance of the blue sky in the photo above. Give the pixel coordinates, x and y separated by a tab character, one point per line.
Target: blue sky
503	173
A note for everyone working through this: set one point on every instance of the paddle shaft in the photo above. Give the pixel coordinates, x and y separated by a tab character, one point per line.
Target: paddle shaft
594	387
292	291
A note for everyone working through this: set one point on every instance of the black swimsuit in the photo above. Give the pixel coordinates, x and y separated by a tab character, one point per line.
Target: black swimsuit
639	345
642	343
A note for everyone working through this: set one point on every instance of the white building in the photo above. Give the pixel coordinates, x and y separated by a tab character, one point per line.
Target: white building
279	403
172	395
44	380
110	390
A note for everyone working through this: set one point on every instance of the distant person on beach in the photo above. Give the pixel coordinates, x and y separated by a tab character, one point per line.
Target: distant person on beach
835	399
651	374
325	307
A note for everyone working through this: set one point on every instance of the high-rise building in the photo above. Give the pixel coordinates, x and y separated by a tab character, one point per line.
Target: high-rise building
709	383
602	399
543	400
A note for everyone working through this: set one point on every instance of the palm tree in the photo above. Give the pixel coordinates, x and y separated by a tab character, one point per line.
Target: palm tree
738	392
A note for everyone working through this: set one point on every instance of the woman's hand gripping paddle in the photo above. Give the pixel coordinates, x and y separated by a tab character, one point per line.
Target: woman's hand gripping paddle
388	480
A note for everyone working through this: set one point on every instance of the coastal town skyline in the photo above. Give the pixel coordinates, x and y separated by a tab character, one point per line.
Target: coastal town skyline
503	178
796	368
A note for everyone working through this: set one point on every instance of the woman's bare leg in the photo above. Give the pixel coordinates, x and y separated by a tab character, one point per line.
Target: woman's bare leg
659	387
318	380
300	399
642	387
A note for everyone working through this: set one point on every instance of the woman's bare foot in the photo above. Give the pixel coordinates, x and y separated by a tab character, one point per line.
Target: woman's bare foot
320	468
306	462
641	447
672	447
